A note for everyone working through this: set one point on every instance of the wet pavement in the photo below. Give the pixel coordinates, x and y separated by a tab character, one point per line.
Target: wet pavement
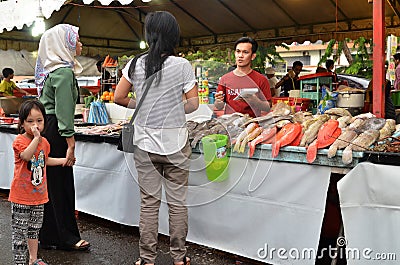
111	243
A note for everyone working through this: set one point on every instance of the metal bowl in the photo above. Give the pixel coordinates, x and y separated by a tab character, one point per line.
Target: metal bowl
11	105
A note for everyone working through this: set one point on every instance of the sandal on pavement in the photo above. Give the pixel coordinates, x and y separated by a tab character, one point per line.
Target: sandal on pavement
39	262
81	245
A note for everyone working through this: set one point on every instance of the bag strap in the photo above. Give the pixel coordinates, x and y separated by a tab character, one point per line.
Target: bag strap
148	83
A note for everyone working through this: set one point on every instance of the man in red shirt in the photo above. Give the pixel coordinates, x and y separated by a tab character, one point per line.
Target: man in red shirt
234	88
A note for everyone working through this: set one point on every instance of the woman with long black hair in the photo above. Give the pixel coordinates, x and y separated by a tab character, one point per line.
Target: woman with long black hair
162	149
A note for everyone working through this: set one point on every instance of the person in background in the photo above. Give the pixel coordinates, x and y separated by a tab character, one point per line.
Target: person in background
243	77
321	69
270	72
330	65
390	110
105	75
396	58
291	80
162	151
7	86
58	91
28	192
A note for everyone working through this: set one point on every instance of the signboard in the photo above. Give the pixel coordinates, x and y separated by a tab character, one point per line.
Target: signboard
280	68
390	51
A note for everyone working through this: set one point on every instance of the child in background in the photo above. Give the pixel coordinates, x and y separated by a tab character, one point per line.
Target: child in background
28	192
7	85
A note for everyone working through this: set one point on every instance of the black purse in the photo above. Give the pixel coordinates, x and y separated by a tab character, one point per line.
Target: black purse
125	143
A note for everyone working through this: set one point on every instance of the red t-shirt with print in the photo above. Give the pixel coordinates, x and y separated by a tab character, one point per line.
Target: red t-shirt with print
232	85
29	185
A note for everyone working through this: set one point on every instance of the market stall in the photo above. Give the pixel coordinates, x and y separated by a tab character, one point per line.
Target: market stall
272	196
370	203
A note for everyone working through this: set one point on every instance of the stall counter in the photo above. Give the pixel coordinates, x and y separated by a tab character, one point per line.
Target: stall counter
263	206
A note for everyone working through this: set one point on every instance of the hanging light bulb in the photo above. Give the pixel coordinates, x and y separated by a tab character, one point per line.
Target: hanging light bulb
39	27
142	45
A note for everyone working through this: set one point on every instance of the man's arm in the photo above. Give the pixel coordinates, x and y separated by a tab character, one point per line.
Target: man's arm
281	81
22	91
256	103
219	100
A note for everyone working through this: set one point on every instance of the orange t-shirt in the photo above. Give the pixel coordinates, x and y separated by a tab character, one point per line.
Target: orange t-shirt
29	185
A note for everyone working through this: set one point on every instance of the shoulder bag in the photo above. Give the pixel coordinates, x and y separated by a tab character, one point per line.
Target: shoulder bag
125	143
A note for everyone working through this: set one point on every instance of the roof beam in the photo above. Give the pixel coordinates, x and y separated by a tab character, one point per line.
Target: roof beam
285	12
129	26
236	15
66	14
394	5
194	18
339	10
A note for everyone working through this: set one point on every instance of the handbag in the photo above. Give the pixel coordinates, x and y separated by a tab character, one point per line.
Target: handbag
125	143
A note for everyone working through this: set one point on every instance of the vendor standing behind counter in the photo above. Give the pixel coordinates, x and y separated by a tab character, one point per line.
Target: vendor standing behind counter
291	80
243	77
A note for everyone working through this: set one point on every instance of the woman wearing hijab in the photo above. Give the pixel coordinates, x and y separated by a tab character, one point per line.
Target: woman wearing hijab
55	71
162	150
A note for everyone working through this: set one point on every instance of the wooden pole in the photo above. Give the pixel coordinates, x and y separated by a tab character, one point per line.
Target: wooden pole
378	57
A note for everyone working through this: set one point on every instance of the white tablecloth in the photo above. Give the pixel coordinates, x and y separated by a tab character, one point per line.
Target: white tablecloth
264	205
6	160
370	204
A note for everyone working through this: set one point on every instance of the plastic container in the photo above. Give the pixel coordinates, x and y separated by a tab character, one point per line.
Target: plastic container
216	156
395	94
303	104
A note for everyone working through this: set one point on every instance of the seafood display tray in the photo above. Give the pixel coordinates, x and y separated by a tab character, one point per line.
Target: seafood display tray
296	154
385	158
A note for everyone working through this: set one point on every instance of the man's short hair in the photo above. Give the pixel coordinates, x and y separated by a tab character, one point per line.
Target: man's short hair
254	45
396	56
297	63
7	72
329	63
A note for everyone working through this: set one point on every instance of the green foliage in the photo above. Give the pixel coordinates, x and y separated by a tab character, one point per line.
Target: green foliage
362	64
217	62
214	63
328	52
267	53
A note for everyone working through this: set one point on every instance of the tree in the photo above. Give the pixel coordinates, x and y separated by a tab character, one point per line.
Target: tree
360	64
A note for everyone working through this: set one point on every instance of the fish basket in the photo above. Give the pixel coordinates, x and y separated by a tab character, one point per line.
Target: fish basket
303	104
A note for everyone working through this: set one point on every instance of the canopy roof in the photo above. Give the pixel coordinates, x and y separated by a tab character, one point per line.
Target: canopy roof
116	27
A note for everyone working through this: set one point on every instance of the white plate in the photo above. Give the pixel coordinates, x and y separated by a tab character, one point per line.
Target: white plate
245	92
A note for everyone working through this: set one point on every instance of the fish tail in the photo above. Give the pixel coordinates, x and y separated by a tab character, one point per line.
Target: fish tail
252	148
347	156
236	146
332	150
312	152
275	148
243	145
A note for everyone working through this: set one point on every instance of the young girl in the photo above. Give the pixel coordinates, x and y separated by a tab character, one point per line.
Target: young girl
28	191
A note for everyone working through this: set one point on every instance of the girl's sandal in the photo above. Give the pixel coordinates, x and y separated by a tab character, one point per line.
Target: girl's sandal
140	262
39	262
186	261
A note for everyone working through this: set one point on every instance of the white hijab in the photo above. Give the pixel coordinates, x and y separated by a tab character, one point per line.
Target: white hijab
57	48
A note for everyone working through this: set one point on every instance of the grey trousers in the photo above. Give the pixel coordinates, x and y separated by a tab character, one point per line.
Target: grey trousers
172	172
